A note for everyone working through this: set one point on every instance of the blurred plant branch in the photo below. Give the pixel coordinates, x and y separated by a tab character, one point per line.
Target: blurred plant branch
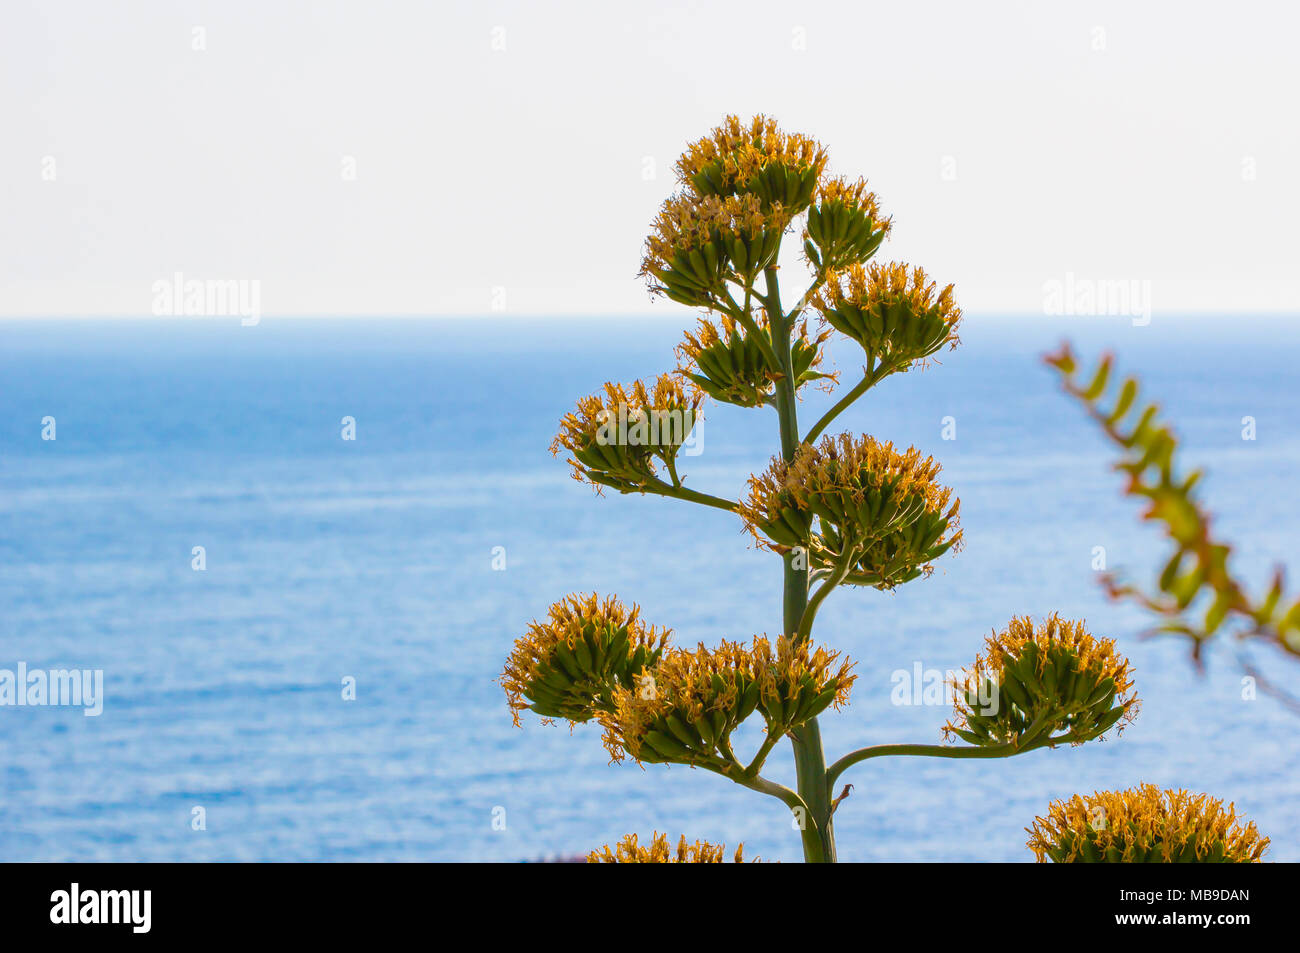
1196	594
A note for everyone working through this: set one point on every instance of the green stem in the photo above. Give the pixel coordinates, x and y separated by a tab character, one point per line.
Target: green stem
785	395
870	377
802	306
810	770
760	756
660	488
751	327
672	471
931	751
810	610
806	740
812	843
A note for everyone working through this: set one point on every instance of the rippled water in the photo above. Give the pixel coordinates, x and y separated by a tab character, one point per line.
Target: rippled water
372	560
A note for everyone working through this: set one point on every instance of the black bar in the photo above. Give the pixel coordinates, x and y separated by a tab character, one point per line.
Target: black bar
334	901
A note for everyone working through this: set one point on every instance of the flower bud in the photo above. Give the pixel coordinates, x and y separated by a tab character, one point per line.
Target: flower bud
729	365
845	226
571	665
898	317
780	169
694	702
698	243
798	683
615	440
1034	681
628	851
860	501
1144	825
697	699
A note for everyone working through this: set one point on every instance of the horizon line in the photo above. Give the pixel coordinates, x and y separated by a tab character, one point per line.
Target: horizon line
571	315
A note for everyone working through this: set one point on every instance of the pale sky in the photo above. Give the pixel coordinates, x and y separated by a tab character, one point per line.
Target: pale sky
1014	144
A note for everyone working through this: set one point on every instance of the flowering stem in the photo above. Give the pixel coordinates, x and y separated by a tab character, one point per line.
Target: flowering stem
807	297
672	471
763	751
933	751
785	396
751	326
812	844
660	488
724	745
806	740
842	567
871	376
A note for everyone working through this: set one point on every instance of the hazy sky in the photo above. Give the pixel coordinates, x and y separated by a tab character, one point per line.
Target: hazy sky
1013	143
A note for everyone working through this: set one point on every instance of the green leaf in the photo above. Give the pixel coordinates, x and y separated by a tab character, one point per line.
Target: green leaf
1127	395
1099	379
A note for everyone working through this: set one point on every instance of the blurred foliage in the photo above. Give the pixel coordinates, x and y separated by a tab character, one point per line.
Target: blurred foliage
1196	595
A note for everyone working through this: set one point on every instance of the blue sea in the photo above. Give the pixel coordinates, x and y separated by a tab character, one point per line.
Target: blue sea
371	562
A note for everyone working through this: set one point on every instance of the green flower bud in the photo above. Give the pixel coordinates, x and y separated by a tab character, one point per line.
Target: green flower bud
845	226
571	665
690	703
780	169
728	364
897	316
859	501
614	440
1034	683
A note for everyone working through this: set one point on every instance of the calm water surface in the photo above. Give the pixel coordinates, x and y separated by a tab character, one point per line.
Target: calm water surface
372	559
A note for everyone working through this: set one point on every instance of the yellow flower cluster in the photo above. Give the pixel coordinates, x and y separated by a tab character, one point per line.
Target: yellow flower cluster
844	465
1091	653
734	153
1144	825
726	362
800	682
845	481
877	283
872	515
570	665
686	223
896	314
1035	679
628	851
743	184
844	227
855	195
614	437
691	701
707	336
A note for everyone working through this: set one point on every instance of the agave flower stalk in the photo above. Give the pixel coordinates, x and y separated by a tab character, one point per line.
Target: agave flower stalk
840	511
